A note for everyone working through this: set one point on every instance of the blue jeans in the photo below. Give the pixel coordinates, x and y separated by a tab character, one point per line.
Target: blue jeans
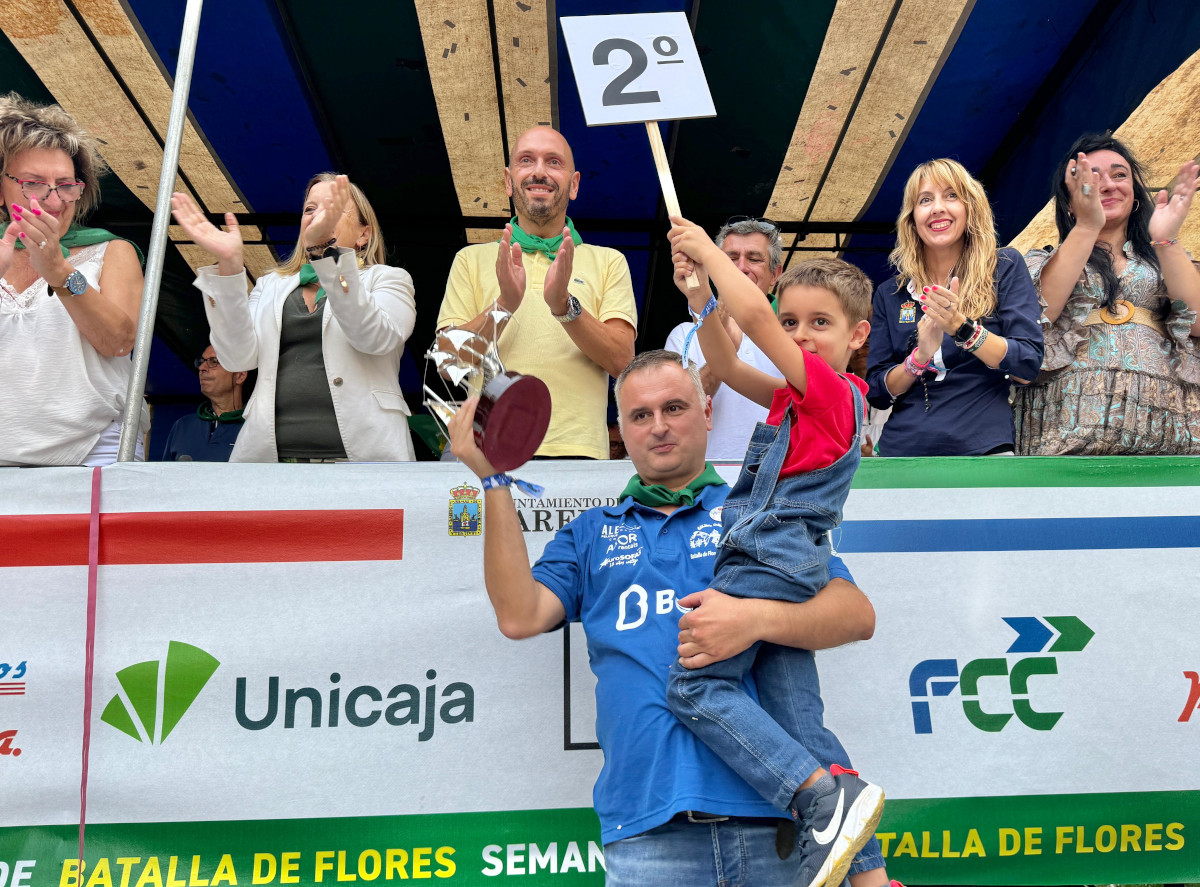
730	853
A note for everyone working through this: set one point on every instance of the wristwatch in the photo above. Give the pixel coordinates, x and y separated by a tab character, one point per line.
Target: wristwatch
574	309
75	285
963	334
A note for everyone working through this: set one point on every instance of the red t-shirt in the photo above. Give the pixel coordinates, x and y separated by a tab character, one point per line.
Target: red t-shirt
823	426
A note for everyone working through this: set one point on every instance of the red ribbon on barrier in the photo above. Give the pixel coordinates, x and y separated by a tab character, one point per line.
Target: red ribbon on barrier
89	653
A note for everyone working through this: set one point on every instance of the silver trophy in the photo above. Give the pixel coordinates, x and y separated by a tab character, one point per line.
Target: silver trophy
514	410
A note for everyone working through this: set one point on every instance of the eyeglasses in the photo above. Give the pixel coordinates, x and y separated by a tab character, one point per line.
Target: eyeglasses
210	362
764	224
68	192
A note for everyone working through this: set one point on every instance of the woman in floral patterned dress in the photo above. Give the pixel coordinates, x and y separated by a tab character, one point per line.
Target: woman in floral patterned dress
1121	373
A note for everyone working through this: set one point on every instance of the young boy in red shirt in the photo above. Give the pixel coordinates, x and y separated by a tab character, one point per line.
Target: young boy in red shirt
794	481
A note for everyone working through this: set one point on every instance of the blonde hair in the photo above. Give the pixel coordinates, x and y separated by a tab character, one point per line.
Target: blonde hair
976	267
25	125
374	253
847	282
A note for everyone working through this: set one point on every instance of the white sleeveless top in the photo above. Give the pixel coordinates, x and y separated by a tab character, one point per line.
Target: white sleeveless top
57	393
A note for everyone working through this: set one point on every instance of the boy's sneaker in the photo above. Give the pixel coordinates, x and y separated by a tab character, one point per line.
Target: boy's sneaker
836	816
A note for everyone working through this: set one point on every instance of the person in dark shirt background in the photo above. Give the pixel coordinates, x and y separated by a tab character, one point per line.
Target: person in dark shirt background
209	434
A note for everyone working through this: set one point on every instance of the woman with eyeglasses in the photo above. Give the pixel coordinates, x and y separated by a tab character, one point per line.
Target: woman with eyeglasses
1120	294
69	296
326	331
955	327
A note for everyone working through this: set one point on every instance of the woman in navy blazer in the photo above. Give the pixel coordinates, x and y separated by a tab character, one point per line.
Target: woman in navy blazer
955	327
339	370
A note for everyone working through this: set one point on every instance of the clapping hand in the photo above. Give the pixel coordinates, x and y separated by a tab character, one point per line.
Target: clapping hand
225	245
555	290
941	305
8	243
1083	183
1172	205
510	272
331	207
38	230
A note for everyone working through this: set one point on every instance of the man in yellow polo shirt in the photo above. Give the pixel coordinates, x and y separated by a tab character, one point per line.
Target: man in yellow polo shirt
574	317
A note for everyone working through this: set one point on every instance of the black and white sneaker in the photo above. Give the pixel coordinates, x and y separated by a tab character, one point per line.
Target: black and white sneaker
837	815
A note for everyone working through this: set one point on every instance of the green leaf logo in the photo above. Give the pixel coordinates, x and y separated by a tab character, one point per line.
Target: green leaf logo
186	672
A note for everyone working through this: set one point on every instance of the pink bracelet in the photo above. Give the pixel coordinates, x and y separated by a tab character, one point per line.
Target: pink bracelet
913	367
1163	242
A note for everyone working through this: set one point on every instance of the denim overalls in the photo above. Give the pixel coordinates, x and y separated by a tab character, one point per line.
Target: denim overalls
774	546
775	543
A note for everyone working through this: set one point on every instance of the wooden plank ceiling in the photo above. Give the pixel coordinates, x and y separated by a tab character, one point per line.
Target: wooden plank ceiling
463	70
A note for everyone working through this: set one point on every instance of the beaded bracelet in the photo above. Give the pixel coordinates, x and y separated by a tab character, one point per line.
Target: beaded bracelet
493	481
1171	242
980	337
317	249
709	307
974	339
913	367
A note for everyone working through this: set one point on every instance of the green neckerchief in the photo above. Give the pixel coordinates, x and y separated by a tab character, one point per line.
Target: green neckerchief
208	414
547	246
77	235
307	276
656	495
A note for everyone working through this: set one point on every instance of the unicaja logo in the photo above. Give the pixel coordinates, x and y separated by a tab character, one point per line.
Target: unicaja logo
134	711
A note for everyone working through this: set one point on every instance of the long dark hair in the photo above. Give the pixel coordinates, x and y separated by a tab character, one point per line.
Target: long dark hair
1137	226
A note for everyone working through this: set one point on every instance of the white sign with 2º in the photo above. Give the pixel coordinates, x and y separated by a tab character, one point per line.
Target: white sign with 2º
633	68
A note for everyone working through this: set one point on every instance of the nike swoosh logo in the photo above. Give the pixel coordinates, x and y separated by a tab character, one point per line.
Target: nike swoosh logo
827	834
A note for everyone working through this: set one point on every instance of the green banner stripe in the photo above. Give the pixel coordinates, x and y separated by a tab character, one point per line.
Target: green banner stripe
1122	838
1028	471
1103	838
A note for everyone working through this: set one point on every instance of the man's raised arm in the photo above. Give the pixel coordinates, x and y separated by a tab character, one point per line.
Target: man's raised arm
524	607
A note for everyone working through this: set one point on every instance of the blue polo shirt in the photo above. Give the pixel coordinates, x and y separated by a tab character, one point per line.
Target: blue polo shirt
968	411
619	570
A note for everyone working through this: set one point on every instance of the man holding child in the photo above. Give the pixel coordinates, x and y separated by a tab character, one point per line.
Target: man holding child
671	810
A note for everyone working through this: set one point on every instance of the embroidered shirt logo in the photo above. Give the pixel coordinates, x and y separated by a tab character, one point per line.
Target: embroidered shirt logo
908	312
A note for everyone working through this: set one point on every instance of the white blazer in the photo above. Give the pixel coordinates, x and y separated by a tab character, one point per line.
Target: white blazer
363	332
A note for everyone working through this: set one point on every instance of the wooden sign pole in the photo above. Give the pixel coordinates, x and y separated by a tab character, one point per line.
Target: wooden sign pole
666	182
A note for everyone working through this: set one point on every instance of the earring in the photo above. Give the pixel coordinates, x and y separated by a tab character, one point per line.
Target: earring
1136	205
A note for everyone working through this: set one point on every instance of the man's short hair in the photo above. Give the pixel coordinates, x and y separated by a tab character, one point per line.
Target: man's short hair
746	227
851	286
656	357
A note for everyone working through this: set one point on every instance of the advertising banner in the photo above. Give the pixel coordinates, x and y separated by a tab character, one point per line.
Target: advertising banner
297	677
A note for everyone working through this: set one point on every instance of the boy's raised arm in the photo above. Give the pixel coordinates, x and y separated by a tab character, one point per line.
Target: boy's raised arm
747	306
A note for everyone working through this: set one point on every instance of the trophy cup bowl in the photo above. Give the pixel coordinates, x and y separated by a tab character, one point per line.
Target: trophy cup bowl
513	411
511	419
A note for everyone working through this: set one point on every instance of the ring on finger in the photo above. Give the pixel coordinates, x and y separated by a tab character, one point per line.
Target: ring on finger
1087	189
1072	170
42	245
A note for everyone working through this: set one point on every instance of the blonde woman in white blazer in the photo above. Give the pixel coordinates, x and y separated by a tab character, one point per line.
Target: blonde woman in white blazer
366	313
